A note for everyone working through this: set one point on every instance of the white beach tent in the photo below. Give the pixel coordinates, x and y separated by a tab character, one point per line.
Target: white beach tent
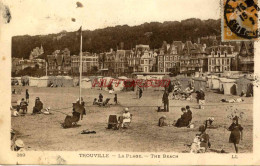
67	81
86	83
229	86
221	85
33	81
43	81
213	82
122	78
118	85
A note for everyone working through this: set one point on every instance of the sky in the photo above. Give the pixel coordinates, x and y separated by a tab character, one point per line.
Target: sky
37	17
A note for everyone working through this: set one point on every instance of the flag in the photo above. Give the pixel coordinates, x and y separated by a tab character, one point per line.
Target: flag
79	32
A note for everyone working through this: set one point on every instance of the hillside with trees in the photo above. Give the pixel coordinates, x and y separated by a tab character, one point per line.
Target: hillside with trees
101	40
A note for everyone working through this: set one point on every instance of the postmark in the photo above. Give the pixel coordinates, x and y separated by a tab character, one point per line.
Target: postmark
240	20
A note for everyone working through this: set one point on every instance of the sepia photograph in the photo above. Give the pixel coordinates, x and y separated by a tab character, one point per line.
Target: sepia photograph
143	79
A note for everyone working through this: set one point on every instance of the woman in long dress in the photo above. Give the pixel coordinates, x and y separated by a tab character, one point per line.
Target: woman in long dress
236	133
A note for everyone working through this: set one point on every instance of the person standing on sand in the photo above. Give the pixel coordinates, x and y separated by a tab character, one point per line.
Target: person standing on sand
100	98
140	93
201	99
27	96
115	99
189	114
236	133
165	100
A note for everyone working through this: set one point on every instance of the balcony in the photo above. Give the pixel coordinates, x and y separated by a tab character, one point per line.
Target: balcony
191	65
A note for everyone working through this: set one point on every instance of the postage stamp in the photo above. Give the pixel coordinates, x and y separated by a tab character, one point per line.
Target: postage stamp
240	20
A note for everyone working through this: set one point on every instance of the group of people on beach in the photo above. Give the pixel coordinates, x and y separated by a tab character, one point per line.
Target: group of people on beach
183	121
101	102
24	103
200	143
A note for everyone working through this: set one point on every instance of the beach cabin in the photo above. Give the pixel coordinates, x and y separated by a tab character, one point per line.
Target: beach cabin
213	82
33	81
185	82
245	85
43	81
199	83
67	81
229	86
86	83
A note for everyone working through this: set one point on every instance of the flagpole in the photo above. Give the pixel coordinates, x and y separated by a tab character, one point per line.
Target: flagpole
46	69
80	67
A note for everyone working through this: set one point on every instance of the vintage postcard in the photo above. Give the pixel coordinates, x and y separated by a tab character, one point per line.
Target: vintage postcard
129	82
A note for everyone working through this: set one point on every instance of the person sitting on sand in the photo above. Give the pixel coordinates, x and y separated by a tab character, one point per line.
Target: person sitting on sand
204	137
82	101
18	145
38	106
46	111
23	105
126	117
183	121
15	113
83	104
201	141
95	102
162	122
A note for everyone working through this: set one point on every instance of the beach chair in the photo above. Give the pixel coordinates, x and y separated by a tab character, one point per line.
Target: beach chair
126	124
112	122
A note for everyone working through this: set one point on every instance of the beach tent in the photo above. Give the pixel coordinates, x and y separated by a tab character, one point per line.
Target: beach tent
25	80
96	81
185	82
221	85
129	85
43	81
33	81
213	82
229	86
244	84
75	81
67	81
118	85
122	78
86	83
199	83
